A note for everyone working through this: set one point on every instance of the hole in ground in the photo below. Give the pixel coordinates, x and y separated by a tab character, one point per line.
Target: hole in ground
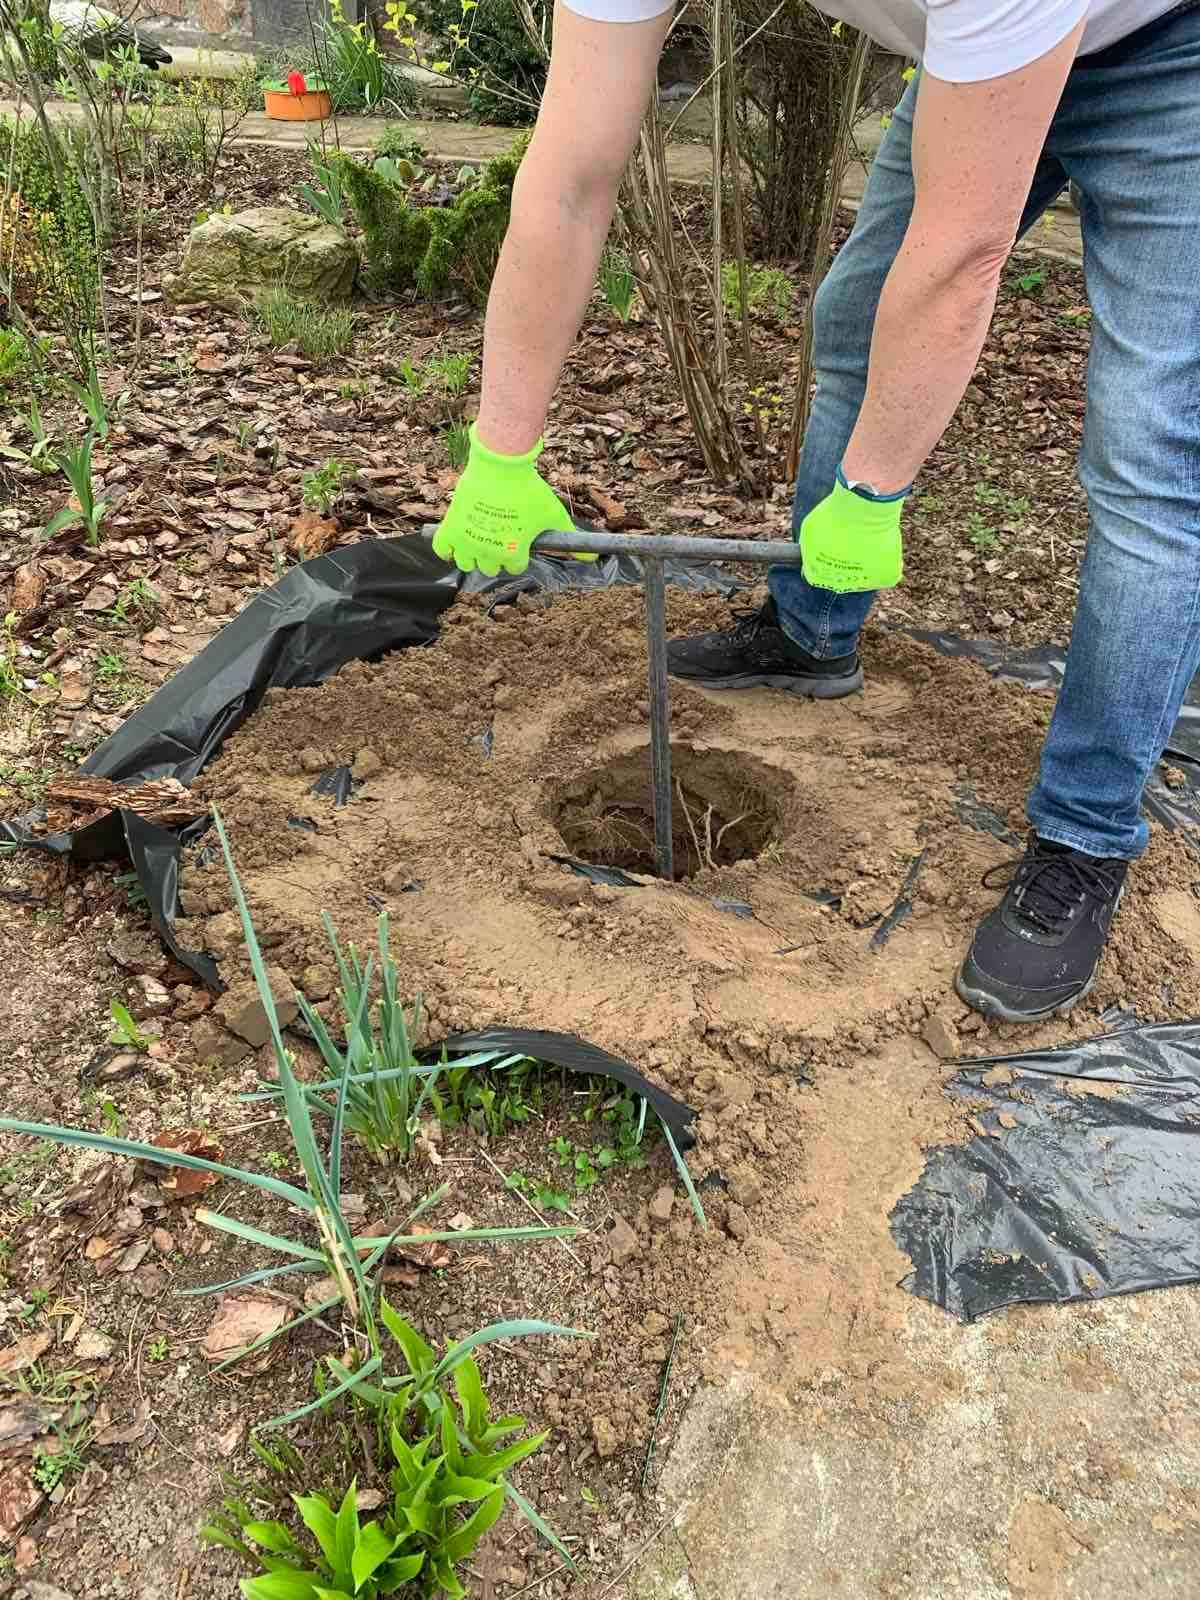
727	807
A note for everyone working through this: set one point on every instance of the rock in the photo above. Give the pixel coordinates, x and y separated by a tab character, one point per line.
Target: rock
731	1090
243	1013
19	1499
940	1034
745	1188
25	1555
604	1436
227	259
312	759
137	952
28	587
93	1346
366	765
623	1243
211	1043
736	1221
150	999
317	982
34	1590
400	879
662	1204
190	1003
655	1325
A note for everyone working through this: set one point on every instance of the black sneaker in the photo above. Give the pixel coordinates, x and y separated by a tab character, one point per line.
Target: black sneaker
1036	955
757	651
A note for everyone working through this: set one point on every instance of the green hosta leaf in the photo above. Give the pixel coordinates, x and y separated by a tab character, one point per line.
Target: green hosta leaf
417	1353
318	1518
275	1537
346	1535
447	1581
399	1572
332	1594
460	1544
212	1534
453	1490
282	1586
471	1398
61	519
491	1466
373	1549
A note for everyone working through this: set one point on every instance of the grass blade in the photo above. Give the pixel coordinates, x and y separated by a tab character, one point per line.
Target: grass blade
268	1338
272	1241
261	1276
686	1177
135	1150
520	1328
351	1381
533	1517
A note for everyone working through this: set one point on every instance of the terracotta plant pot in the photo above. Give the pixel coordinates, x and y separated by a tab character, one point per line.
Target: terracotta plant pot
314	105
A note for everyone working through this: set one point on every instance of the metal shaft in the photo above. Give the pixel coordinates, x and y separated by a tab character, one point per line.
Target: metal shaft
660	546
660	717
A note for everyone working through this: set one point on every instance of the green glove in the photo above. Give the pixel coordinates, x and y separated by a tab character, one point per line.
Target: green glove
851	542
497	511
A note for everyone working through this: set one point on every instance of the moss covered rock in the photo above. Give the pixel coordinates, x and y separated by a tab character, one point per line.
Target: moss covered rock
228	259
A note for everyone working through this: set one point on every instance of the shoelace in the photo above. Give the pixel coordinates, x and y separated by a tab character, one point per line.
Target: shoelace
1048	886
747	625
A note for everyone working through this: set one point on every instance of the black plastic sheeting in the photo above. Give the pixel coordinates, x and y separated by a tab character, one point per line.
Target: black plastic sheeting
1085	1182
1083	1193
577	1055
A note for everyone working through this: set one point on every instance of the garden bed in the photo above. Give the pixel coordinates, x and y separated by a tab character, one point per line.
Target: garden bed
759	988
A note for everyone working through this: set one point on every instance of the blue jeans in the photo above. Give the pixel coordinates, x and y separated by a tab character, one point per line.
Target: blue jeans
1127	131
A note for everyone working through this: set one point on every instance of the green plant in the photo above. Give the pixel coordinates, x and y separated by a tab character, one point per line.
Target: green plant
158	1348
136	604
434	1425
458	444
41	452
326	200
980	532
397	142
351	1262
318	332
617	282
431	247
769	291
1031	282
92	399
322	487
492	53
15	356
124	1029
199	116
77	465
51	1467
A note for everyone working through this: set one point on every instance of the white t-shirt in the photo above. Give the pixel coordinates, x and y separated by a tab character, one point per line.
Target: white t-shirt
960	41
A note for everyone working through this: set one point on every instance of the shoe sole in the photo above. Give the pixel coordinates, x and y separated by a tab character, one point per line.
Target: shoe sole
987	1004
810	688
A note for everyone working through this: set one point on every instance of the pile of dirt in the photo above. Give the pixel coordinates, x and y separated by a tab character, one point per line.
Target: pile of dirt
830	866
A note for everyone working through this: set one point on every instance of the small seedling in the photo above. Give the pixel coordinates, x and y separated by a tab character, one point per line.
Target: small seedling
769	292
136	604
322	488
92	399
77	464
158	1348
458	445
980	533
41	452
318	332
617	282
125	1030
1031	282
274	1160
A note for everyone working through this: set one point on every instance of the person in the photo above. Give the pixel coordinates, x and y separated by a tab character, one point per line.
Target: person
1013	99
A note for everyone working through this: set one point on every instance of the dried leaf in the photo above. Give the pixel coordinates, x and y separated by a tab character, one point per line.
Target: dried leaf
428	1256
240	1321
28	587
23	1419
131	1432
312	535
228	1441
19	1499
25	1352
184	1183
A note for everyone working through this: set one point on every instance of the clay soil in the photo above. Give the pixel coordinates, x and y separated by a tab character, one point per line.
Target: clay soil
780	986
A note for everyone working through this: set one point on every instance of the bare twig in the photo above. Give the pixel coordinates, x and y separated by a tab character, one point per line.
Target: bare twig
528	1204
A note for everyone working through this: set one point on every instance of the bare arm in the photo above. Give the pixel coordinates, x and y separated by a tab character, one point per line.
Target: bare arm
975	148
600	79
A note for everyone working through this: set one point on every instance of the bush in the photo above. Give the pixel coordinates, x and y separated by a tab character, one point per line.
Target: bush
491	52
429	247
398	144
50	264
769	291
15	357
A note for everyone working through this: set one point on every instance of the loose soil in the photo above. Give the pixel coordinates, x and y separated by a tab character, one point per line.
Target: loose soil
759	987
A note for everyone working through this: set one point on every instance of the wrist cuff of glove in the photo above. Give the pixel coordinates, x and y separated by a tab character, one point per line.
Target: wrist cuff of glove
865	493
495	459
